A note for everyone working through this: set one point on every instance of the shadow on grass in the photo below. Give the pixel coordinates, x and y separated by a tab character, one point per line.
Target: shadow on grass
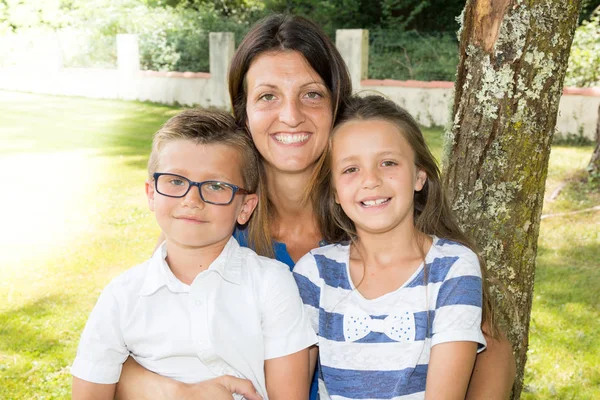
30	331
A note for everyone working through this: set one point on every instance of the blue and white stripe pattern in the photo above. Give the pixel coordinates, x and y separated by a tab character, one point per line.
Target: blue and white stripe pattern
379	348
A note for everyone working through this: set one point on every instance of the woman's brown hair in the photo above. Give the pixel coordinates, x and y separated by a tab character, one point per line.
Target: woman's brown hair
432	212
287	33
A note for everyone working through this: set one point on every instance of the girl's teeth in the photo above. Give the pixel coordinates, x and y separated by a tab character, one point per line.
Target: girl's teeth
377	202
289	138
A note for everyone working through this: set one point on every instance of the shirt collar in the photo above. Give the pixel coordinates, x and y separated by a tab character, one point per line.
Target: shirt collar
228	265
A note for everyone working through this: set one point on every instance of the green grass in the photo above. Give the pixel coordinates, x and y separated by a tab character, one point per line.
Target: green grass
80	218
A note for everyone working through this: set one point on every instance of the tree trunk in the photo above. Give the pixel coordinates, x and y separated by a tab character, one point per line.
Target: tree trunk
594	165
513	59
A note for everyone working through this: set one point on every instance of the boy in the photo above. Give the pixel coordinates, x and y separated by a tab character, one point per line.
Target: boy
202	306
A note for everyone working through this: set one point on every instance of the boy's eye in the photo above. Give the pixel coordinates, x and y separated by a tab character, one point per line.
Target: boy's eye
349	170
216	187
177	182
389	163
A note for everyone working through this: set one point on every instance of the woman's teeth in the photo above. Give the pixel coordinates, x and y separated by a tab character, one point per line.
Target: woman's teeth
371	203
287	138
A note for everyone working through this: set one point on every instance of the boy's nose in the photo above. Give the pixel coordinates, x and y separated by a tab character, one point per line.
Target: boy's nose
193	199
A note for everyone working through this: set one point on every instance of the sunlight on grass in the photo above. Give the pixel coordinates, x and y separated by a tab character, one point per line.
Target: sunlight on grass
76	216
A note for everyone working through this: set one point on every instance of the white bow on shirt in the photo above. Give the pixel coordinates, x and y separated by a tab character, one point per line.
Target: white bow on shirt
399	326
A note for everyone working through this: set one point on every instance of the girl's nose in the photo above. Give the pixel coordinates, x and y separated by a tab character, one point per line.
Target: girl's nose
291	112
371	178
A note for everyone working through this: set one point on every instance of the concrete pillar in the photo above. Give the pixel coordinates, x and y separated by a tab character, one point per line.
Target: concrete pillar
222	47
353	45
128	53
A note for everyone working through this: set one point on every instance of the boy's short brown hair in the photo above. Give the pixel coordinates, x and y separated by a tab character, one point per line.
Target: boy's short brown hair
208	127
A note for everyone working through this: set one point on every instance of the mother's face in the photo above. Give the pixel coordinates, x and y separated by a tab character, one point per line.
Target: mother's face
289	110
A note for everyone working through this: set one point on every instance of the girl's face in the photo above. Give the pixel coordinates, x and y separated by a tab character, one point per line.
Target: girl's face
375	176
289	110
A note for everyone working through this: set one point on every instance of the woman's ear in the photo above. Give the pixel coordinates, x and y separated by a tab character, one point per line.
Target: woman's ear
420	180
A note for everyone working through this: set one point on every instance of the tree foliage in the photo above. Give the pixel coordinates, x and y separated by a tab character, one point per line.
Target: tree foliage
584	62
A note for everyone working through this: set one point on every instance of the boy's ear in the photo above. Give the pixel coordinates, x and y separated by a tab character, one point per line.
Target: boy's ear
420	181
150	194
248	206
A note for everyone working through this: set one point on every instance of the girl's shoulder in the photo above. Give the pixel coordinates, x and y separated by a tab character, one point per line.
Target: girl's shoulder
328	257
452	255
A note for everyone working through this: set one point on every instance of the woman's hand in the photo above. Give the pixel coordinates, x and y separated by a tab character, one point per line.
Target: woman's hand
138	383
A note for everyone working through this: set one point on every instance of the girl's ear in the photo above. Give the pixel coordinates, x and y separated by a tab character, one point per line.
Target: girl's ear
420	181
150	194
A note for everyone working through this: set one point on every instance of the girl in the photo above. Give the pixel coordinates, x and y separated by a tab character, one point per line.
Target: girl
398	307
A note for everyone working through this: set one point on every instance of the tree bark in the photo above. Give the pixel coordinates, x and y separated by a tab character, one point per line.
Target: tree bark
594	165
513	59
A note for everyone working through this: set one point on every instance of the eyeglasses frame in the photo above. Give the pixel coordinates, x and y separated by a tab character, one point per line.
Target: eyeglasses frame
236	189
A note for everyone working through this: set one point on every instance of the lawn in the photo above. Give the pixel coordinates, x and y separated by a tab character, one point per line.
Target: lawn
75	215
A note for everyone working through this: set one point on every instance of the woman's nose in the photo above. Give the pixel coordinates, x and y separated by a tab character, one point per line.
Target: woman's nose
291	112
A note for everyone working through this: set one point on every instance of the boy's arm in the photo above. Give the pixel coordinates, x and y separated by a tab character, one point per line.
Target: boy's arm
449	371
138	383
84	390
281	376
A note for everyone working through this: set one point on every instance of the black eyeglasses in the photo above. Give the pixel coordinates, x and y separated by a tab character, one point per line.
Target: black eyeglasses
212	192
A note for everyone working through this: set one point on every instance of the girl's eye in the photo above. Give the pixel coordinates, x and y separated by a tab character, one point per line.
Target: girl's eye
389	163
349	170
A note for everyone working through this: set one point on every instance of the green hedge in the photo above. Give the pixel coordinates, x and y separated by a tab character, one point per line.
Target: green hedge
412	55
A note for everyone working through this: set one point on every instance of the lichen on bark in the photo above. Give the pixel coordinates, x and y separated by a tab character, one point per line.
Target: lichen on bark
496	157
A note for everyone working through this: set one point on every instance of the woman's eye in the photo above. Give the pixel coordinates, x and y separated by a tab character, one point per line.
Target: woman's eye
267	97
389	163
314	95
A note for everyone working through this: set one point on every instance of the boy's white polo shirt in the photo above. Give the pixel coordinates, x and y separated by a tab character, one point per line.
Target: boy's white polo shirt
240	311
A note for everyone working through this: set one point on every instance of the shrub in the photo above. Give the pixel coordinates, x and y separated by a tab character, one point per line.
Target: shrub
412	55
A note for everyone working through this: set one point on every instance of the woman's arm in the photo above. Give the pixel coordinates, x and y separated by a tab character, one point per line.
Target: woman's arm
313	356
84	390
138	383
449	371
282	373
494	372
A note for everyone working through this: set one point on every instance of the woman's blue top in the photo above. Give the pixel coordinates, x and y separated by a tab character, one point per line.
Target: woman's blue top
281	254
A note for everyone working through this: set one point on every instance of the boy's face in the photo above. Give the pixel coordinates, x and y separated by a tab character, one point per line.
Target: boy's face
189	222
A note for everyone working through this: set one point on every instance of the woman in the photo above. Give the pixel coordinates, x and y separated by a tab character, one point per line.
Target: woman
287	82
